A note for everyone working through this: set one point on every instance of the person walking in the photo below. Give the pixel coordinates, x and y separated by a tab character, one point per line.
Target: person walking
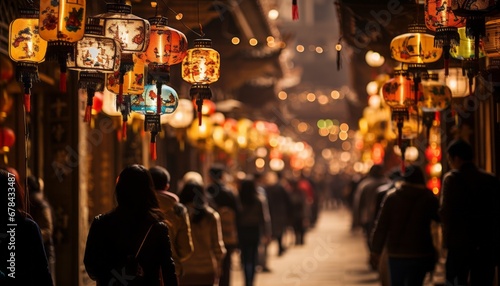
252	226
404	227
280	208
30	262
470	216
204	266
177	218
225	202
130	244
42	214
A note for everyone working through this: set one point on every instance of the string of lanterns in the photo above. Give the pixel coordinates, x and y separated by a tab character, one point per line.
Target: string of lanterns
116	50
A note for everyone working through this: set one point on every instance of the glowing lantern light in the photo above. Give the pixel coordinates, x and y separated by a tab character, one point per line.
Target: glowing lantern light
201	67
95	55
7	140
153	104
27	49
62	25
439	17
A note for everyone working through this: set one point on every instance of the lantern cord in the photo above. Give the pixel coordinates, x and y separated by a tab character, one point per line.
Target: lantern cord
199	23
180	19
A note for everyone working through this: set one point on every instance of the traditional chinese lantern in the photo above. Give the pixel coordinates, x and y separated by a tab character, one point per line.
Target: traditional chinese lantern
201	67
131	31
436	96
439	17
148	105
416	49
132	82
27	49
167	47
398	95
62	25
492	42
7	140
468	51
95	55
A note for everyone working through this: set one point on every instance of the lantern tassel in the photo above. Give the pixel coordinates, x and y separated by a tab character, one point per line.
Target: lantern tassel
27	102
124	130
152	146
62	82
90	102
295	10
199	105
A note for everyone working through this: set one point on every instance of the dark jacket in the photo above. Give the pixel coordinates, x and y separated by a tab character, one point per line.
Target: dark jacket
470	208
30	265
114	236
404	223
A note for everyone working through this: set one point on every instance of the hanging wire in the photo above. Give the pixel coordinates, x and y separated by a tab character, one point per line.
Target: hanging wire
180	18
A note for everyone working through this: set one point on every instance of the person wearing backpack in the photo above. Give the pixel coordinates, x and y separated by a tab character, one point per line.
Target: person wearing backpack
225	202
130	245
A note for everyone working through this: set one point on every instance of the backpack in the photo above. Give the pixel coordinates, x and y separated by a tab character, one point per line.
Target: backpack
228	225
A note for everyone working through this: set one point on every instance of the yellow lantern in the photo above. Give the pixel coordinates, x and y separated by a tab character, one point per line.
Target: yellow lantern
28	49
415	47
201	67
435	96
62	25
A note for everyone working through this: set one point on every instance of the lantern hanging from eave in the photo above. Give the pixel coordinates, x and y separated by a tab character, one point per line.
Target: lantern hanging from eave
201	67
131	31
130	83
492	39
148	105
27	49
439	17
469	51
416	49
167	47
436	96
62	24
399	95
95	55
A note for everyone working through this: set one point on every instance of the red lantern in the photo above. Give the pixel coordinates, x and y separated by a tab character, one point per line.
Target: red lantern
439	17
7	139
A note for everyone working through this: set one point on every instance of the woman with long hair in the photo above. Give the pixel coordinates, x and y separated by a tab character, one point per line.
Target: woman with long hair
25	261
130	245
203	267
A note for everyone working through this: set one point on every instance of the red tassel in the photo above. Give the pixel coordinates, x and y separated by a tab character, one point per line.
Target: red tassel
295	10
27	102
88	113
62	82
152	147
199	118
124	130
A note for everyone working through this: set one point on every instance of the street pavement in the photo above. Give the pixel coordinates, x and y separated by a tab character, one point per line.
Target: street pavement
331	256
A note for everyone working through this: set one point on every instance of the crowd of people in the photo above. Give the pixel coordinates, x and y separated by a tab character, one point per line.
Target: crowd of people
158	234
195	232
408	228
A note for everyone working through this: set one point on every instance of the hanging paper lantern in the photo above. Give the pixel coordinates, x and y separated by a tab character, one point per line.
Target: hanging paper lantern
183	115
131	31
492	42
27	49
148	105
95	55
62	25
415	47
397	91
456	81
201	67
435	96
439	17
7	138
132	82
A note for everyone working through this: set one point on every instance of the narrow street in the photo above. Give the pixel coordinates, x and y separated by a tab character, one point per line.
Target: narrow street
331	256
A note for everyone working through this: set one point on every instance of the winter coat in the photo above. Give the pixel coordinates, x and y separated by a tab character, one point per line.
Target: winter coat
470	208
205	262
280	208
404	222
115	236
179	228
